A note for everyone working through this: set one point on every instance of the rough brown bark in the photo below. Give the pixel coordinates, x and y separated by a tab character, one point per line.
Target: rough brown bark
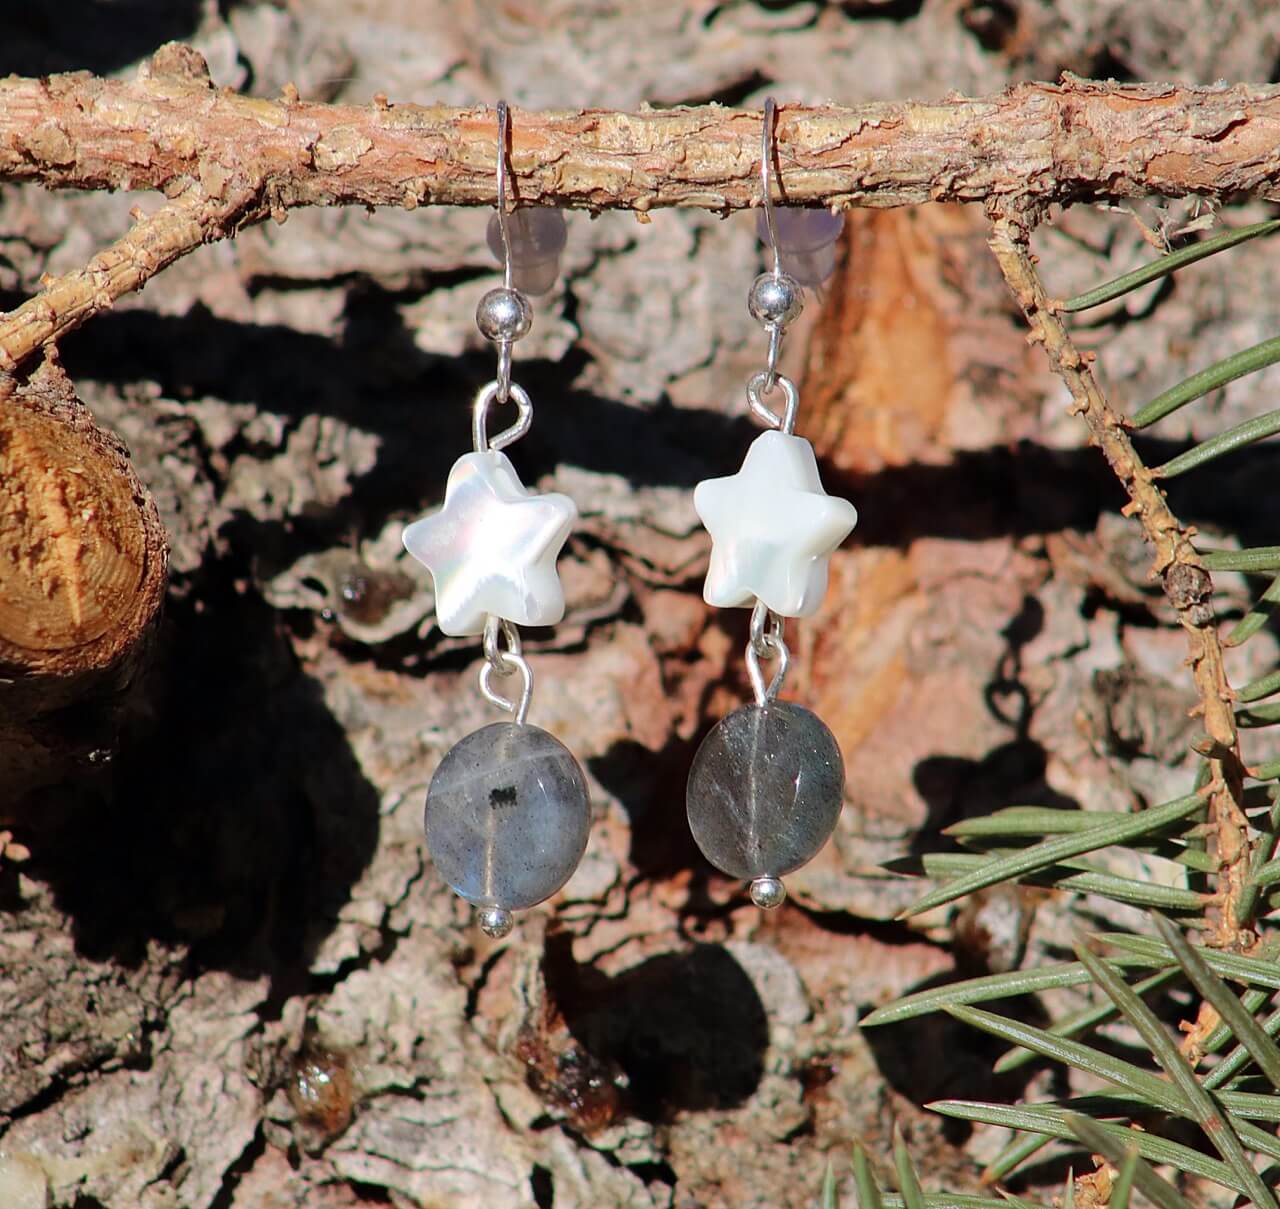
155	242
1079	140
231	160
82	577
245	904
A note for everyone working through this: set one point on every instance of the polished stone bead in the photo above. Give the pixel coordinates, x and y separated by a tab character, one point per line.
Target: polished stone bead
507	816
538	236
807	239
765	790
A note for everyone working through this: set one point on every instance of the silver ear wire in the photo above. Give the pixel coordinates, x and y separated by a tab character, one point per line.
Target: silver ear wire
775	298
504	135
766	180
504	315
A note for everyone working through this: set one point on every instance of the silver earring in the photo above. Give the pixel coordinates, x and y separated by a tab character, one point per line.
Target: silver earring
507	811
767	784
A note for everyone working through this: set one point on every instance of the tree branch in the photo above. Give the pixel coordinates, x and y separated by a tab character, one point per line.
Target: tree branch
225	160
1186	583
154	243
1033	144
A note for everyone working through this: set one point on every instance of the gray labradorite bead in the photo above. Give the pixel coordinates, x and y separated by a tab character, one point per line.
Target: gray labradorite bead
765	790
507	816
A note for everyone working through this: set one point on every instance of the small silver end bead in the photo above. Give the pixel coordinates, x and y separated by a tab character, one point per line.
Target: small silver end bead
496	922
775	301
504	315
768	893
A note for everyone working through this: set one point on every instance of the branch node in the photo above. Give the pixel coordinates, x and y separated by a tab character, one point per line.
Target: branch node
177	61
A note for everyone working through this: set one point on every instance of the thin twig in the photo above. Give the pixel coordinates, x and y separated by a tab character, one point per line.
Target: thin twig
1186	583
154	242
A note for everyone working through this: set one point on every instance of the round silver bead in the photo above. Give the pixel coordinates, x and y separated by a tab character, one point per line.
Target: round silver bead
768	893
496	922
775	301
504	315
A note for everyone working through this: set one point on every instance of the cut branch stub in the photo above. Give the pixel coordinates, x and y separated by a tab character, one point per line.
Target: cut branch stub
71	550
83	563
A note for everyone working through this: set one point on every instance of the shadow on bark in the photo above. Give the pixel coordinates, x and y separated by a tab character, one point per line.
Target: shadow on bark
1014	773
935	1057
377	379
88	35
650	785
235	818
688	1028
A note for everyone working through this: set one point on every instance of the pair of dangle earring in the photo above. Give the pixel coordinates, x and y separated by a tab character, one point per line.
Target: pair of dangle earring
767	784
507	812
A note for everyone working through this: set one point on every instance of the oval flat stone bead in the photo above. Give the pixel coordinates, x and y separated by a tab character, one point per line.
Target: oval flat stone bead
765	790
507	816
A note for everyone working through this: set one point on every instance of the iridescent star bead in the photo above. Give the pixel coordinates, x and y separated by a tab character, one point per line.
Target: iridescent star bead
773	528
492	548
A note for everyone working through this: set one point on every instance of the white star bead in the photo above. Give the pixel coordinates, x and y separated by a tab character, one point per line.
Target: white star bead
773	529
492	548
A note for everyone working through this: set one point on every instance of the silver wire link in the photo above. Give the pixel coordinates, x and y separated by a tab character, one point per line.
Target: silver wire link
503	380
502	663
775	351
766	642
497	661
502	389
758	387
481	441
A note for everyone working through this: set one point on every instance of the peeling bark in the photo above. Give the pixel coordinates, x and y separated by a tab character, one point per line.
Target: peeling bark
1080	140
153	244
244	907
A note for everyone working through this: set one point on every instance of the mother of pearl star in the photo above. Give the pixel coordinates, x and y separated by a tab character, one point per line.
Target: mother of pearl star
773	528
492	548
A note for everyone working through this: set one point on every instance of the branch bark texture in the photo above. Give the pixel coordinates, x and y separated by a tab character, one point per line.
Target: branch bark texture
1033	144
154	243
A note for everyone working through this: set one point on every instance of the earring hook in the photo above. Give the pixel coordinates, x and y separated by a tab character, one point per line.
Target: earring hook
766	179
504	134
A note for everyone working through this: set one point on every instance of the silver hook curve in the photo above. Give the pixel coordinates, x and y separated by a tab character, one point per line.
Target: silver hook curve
498	662
481	441
766	179
519	708
504	135
766	639
758	386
